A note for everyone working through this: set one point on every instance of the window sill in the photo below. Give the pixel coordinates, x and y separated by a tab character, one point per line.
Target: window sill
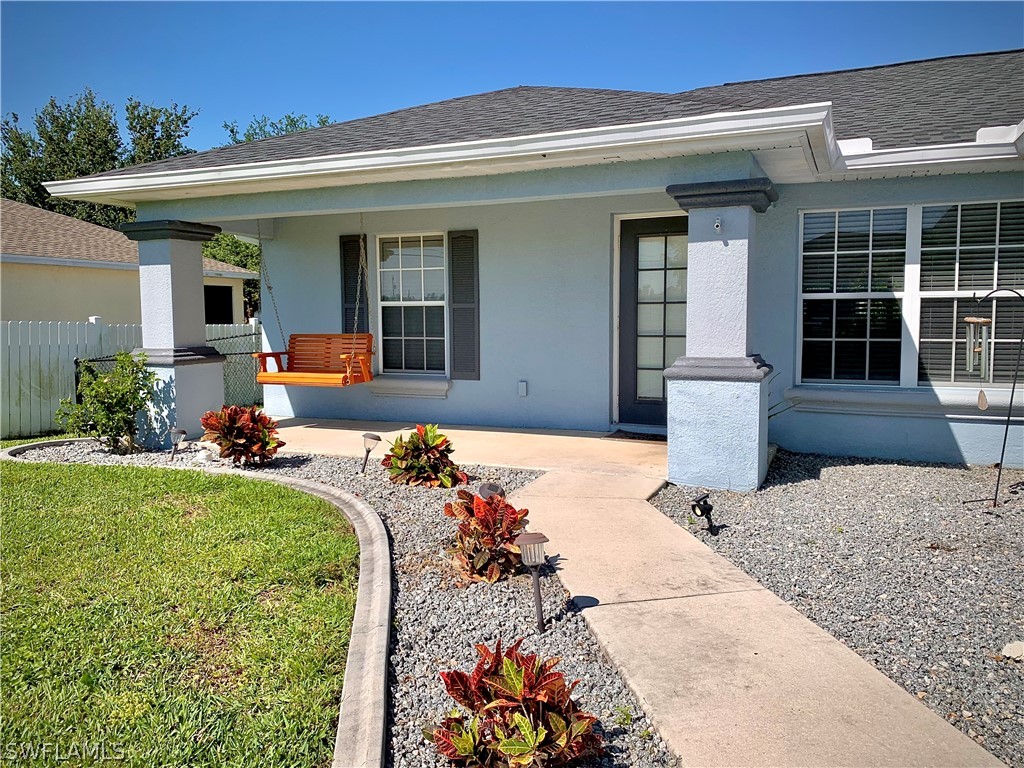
399	385
917	402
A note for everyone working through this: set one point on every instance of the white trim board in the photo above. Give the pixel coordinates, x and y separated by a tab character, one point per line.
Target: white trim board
53	261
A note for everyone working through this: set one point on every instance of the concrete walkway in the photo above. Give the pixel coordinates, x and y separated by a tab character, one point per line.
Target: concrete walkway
730	674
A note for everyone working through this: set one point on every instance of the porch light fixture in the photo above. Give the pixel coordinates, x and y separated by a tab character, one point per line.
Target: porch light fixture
532	547
177	438
370	441
491	489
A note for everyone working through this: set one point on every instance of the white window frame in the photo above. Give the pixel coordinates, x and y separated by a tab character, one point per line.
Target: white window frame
899	296
910	299
381	304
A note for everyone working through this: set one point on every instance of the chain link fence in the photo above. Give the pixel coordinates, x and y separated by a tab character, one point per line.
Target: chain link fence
240	367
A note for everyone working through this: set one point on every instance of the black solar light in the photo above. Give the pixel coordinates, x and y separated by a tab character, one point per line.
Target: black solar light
370	441
491	489
702	508
532	547
177	438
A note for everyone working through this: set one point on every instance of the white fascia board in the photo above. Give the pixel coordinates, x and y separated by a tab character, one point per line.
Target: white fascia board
565	146
230	275
54	261
998	143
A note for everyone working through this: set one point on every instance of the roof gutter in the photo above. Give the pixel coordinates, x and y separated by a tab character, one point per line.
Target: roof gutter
705	132
752	130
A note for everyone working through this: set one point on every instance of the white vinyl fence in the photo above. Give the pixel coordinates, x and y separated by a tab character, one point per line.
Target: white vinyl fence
37	367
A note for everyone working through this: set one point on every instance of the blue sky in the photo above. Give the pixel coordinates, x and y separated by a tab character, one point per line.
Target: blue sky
235	60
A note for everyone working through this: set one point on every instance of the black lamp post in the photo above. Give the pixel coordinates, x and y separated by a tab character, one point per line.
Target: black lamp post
177	438
370	441
532	547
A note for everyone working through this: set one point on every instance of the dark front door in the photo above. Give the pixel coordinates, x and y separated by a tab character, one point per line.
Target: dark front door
652	314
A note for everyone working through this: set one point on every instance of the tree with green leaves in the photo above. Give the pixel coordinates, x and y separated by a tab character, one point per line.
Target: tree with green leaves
263	127
229	248
80	138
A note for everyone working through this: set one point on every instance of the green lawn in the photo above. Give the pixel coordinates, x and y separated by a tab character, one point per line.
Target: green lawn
36	439
171	617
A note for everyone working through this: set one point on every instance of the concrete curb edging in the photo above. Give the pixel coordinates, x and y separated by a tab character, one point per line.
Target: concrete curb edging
361	736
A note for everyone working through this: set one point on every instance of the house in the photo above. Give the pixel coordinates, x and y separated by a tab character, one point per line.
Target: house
55	267
785	260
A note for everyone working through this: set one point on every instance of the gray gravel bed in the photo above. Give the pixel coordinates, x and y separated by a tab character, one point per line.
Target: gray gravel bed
436	623
886	558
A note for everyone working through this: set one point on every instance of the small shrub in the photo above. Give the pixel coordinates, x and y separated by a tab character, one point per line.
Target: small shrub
111	402
484	548
521	713
423	459
247	435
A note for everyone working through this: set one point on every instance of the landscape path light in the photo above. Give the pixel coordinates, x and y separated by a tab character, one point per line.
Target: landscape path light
370	441
177	438
531	545
491	489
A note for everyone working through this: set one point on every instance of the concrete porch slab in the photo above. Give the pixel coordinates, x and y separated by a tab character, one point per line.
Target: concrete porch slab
493	446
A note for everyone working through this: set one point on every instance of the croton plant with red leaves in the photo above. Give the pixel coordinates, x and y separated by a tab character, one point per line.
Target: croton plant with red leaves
485	548
246	435
521	713
424	458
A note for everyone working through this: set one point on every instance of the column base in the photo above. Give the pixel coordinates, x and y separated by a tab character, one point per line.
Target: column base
718	422
190	382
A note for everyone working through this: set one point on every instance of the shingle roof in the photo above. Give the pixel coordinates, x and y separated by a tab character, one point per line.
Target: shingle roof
906	104
29	231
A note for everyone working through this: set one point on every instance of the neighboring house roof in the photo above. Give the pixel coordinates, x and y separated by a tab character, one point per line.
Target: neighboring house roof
29	231
914	103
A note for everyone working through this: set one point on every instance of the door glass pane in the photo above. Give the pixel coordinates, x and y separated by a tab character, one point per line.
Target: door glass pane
675	250
649	384
651	286
649	352
651	252
650	320
675	319
675	347
675	285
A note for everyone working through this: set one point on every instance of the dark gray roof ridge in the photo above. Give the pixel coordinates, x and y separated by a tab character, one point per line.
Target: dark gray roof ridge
851	69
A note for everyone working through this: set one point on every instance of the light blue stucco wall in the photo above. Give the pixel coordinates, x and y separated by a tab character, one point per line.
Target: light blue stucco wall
545	310
546	273
774	304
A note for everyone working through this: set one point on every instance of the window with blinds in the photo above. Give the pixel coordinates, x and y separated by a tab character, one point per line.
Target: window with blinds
413	290
966	251
853	269
859	310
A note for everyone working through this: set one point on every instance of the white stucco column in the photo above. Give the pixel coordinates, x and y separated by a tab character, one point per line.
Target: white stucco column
190	373
717	399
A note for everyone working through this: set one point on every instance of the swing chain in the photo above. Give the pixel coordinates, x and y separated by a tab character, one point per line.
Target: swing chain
361	276
266	280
